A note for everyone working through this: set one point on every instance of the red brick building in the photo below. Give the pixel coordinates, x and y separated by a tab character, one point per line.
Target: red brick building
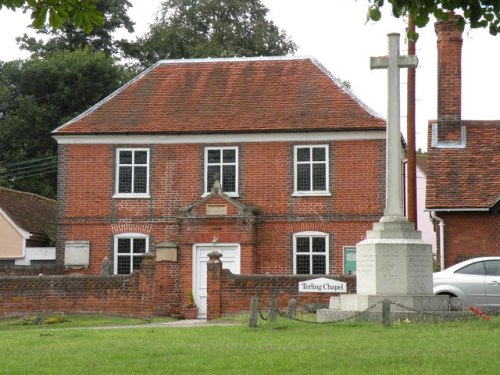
463	180
270	161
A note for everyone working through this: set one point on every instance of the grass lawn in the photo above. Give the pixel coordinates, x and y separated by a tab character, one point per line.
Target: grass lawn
283	347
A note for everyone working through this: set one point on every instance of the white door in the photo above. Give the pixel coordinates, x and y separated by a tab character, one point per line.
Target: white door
230	260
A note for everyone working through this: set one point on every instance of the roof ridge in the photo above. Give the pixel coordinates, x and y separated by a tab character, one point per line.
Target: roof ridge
234	59
29	193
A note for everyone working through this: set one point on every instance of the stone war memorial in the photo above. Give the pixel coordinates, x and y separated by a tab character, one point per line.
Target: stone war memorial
393	262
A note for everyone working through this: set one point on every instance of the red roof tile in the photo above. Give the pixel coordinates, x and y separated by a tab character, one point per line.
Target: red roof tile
31	212
421	161
466	177
227	95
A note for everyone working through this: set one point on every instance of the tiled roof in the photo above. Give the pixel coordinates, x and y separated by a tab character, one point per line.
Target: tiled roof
421	161
227	96
31	212
466	177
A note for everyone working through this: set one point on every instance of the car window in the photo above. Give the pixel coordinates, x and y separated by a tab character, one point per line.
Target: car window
473	269
493	267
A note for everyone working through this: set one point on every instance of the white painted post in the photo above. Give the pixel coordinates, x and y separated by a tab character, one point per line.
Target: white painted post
393	62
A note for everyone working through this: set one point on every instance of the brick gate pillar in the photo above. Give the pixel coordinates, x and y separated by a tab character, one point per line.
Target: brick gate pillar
146	287
214	271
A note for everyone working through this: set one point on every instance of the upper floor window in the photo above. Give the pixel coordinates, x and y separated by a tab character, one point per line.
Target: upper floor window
311	170
132	172
310	253
129	248
221	163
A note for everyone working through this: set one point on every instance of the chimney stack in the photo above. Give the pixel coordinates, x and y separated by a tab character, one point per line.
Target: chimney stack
449	46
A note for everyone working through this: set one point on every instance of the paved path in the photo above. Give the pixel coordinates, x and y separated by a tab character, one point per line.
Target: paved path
185	323
176	323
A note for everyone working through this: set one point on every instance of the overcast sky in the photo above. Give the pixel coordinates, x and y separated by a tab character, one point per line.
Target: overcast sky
336	33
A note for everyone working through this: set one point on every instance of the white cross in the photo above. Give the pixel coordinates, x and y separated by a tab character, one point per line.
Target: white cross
393	62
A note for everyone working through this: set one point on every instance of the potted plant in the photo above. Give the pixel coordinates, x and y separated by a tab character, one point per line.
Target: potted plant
176	313
190	309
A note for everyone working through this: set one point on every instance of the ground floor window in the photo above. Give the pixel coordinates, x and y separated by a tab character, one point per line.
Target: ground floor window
310	253
128	252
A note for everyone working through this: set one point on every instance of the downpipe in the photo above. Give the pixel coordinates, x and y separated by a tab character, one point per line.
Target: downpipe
441	239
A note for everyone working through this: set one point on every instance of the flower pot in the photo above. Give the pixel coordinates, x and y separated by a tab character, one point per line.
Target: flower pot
191	313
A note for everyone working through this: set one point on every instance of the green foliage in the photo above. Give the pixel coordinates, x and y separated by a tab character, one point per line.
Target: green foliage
81	13
29	320
209	28
190	304
40	94
25	323
52	234
37	319
478	13
59	318
435	265
69	37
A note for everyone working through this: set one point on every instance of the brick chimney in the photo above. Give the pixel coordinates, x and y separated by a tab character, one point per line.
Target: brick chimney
449	46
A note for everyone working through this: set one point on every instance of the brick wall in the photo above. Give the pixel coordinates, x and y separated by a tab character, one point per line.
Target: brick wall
470	234
32	270
88	211
229	293
130	295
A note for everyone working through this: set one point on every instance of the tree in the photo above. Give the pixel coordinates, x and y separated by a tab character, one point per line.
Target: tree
209	28
69	37
82	13
479	13
38	95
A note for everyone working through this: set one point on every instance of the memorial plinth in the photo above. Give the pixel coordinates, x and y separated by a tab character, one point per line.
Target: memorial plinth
393	262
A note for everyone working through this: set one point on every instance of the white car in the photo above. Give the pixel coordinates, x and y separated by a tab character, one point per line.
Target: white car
476	281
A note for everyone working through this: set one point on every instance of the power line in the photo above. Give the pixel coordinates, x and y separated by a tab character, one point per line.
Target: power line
31	175
8	165
32	166
29	168
28	172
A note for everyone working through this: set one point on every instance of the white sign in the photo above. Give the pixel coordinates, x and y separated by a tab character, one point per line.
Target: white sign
322	285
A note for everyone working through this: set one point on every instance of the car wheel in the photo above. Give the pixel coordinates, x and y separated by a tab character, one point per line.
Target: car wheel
446	294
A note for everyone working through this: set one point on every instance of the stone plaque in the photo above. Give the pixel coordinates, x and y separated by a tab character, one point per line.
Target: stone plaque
166	255
216	209
76	253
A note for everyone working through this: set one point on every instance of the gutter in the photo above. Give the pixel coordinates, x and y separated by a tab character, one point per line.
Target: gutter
441	239
456	210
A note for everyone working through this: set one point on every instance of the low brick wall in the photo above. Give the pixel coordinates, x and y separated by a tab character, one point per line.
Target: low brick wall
130	295
229	293
31	270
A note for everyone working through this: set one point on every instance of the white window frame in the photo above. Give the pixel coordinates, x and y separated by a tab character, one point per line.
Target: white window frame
117	174
128	236
311	234
208	189
311	192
